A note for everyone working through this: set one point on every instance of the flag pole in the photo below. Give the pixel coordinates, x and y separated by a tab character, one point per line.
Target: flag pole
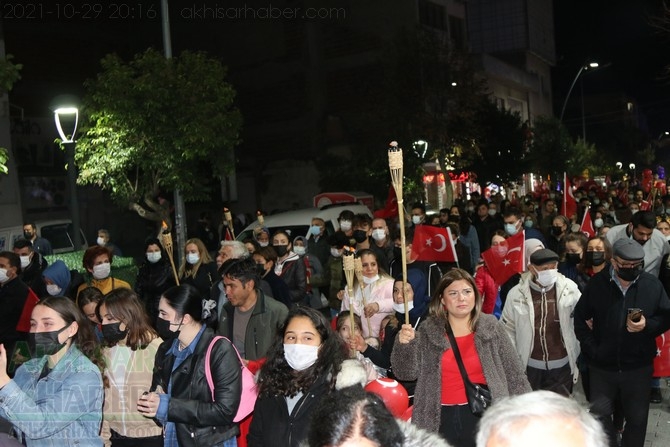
396	169
348	267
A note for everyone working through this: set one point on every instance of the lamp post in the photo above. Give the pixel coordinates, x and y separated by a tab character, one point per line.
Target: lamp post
584	67
632	168
67	115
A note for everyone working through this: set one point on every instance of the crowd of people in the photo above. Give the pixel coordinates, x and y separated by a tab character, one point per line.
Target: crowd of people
90	359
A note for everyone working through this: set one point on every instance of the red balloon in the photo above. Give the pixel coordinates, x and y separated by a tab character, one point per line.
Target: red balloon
393	394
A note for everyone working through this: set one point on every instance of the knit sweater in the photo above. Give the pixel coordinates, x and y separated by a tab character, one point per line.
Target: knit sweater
420	360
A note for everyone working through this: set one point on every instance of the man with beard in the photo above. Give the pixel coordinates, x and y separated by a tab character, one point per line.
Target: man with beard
642	229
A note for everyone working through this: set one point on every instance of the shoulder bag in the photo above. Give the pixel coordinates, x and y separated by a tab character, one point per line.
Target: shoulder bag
479	396
249	391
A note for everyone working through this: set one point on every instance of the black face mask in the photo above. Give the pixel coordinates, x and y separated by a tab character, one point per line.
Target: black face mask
27	235
359	236
281	250
556	231
112	333
260	269
595	258
630	274
163	329
45	343
572	258
455	218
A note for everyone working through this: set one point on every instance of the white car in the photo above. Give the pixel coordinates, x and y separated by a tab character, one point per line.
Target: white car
298	222
57	232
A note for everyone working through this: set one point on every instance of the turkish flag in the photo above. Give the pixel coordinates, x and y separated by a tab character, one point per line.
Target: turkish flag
506	258
433	244
662	359
390	210
228	236
569	207
587	225
24	320
645	205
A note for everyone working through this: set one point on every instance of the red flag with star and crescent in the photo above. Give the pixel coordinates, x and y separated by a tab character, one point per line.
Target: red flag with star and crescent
433	244
569	206
506	258
587	225
662	359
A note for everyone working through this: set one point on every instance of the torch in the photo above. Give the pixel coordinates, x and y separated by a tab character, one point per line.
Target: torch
166	241
229	220
395	166
261	219
348	267
358	270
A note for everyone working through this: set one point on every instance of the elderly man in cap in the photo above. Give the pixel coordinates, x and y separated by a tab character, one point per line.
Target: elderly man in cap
538	317
629	309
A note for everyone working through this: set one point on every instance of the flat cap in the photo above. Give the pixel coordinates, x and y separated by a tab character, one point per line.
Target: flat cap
628	250
543	256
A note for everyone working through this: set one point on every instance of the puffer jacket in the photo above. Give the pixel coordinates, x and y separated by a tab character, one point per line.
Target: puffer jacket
421	360
518	318
199	421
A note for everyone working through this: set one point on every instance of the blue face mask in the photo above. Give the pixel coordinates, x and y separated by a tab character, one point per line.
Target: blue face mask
315	230
511	229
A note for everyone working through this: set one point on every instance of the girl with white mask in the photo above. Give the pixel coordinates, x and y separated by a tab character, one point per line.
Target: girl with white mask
154	277
373	298
301	368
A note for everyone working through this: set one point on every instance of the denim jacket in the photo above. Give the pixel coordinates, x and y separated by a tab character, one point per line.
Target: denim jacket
62	409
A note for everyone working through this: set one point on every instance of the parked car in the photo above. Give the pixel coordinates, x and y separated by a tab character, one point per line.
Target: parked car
297	222
58	232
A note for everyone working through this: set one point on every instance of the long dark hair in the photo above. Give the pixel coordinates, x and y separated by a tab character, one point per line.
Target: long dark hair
277	378
186	300
85	340
124	305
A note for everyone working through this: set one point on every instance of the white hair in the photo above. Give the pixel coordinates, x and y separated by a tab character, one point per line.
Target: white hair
239	249
511	416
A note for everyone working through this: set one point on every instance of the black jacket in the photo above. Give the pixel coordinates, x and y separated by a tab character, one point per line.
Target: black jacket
152	280
205	278
199	421
609	345
273	426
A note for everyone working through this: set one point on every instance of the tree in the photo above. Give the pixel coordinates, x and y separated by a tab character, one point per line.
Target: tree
154	125
9	74
551	149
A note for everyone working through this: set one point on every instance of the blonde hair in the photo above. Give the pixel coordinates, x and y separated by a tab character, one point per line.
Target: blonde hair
187	270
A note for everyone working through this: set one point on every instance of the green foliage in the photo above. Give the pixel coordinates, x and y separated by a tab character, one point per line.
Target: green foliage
154	125
551	149
9	73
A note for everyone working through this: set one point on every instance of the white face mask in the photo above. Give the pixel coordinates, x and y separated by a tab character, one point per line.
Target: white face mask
53	289
300	357
3	276
598	222
416	220
345	225
367	280
511	229
547	278
25	261
264	244
379	234
101	271
154	256
400	307
100	241
300	251
492	212
192	258
335	253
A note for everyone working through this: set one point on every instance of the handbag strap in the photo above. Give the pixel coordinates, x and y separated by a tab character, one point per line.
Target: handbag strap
208	366
457	356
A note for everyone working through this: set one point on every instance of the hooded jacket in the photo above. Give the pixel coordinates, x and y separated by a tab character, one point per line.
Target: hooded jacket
420	360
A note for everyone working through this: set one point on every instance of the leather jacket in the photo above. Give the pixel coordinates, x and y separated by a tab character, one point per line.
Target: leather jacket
199	421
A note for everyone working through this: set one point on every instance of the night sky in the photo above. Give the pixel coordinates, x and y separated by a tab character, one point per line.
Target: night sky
59	53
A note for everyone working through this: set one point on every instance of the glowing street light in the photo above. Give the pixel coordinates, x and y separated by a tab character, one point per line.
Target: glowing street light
66	116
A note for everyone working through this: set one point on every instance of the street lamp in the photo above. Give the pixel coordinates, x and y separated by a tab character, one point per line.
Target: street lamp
419	143
632	168
66	115
587	66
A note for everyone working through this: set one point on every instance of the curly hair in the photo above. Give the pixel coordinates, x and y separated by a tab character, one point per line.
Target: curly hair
93	252
277	378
